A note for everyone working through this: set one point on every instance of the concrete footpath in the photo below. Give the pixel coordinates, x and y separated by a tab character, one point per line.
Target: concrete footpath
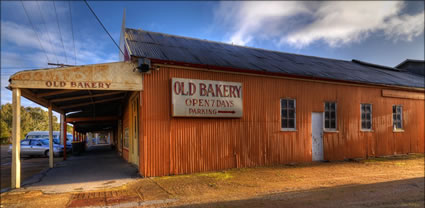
96	169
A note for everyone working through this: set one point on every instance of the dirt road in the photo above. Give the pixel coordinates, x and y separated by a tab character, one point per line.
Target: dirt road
394	182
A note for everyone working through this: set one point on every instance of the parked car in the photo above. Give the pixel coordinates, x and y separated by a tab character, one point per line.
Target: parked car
68	144
38	147
56	139
45	134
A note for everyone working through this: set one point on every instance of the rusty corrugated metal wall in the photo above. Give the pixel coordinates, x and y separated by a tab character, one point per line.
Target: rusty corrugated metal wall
186	145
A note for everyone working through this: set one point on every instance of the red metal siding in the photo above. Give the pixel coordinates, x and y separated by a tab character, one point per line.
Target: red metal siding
141	137
187	145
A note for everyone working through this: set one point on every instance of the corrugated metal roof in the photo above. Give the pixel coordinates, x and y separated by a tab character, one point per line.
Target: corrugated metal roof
195	51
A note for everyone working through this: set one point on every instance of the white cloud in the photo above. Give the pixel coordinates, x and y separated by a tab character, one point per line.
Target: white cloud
249	17
405	27
302	23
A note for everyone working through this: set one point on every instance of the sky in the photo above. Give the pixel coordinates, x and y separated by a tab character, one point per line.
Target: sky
34	33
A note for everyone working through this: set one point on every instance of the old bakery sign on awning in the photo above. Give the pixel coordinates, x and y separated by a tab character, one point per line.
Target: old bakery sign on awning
206	98
109	76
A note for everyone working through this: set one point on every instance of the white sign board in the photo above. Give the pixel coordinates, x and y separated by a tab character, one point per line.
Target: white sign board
206	98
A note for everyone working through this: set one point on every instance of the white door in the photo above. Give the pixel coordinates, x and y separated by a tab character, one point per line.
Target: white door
317	136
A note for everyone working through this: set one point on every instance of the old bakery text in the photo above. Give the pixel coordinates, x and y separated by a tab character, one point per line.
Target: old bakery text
76	84
206	98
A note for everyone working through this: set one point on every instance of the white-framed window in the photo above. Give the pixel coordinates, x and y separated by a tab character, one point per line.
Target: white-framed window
366	116
330	119
397	117
288	114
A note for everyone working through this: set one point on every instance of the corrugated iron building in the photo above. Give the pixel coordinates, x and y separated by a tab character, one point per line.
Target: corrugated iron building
177	105
363	109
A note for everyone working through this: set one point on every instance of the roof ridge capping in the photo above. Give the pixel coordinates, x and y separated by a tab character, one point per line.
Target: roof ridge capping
249	47
409	60
377	65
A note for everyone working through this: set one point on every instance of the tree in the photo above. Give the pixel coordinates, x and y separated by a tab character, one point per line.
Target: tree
5	131
69	129
32	119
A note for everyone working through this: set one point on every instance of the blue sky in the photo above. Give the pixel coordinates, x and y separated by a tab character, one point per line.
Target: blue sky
382	32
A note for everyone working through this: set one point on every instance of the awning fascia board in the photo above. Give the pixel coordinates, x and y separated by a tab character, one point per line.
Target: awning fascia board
107	76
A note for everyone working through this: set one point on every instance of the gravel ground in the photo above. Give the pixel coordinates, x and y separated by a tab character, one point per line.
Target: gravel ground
382	182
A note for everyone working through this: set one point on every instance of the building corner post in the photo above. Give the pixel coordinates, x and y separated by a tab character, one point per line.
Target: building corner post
50	137
16	137
64	137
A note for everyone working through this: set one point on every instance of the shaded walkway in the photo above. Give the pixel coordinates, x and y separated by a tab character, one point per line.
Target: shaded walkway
98	168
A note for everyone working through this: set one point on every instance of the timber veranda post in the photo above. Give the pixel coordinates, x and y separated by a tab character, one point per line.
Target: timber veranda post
64	137
50	137
16	137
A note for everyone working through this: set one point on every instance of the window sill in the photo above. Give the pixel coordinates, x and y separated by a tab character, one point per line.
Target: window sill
330	131
289	130
398	130
365	130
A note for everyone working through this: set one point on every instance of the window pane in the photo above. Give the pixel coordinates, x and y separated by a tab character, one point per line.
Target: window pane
326	115
25	142
333	126
283	103
284	113
368	116
333	106
369	125
290	104
327	124
394	117
363	116
284	123
333	115
398	117
398	109
363	124
394	109
326	106
291	114
291	123
399	125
